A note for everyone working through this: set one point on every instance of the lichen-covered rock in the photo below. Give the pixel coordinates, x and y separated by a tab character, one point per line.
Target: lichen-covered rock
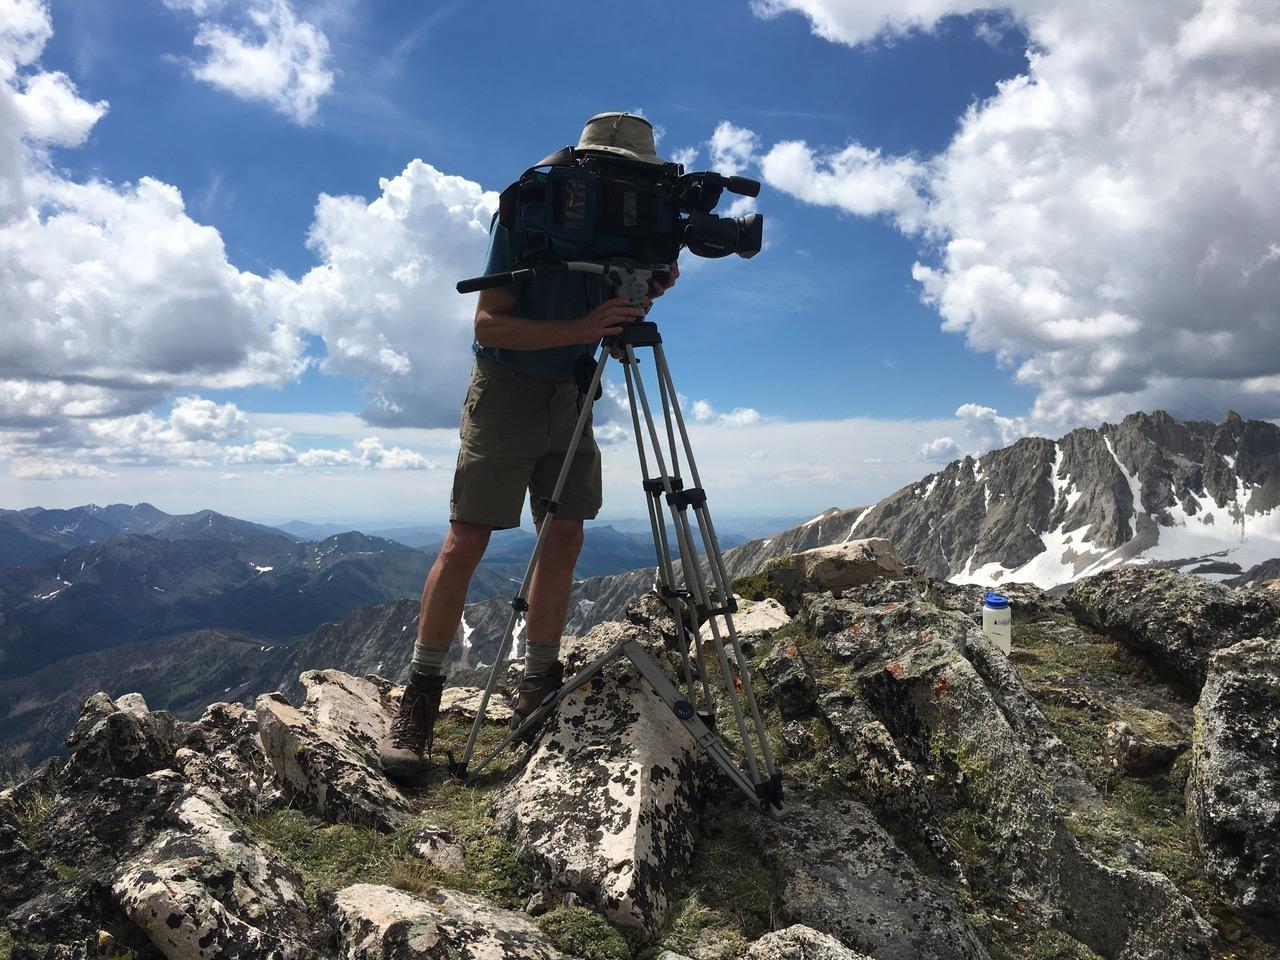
326	752
1135	754
603	807
439	848
1027	601
798	942
788	680
464	701
842	874
204	889
109	742
904	658
382	923
223	752
1174	620
170	858
754	621
1233	793
76	918
21	872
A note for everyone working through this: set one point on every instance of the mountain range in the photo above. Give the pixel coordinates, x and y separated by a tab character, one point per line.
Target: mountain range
1194	495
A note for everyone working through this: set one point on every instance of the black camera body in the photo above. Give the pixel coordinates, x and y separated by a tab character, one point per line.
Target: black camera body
581	205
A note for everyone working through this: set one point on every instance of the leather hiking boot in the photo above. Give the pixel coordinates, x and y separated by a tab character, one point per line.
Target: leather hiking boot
534	689
403	754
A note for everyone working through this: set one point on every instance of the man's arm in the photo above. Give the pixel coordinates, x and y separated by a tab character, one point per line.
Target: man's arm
497	326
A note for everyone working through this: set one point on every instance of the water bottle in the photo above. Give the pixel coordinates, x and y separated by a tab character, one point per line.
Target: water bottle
997	621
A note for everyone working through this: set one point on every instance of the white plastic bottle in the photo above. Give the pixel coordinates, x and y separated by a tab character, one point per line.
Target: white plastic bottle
997	621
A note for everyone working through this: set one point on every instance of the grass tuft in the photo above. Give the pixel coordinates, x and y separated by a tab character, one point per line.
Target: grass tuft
578	932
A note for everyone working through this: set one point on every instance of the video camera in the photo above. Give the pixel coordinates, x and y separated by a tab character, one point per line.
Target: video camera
579	205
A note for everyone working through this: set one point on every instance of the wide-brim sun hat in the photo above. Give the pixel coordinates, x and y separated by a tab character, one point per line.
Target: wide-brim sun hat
624	134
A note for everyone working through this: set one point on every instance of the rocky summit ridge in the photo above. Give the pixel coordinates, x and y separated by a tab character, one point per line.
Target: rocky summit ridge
1109	789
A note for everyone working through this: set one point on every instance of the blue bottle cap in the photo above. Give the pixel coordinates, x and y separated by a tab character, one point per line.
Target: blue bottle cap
995	600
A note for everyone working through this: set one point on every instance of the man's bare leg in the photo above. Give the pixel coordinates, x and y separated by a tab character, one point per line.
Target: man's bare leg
445	592
403	754
552	581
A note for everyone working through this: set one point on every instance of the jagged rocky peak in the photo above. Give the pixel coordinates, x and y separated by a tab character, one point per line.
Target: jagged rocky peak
1196	495
1110	789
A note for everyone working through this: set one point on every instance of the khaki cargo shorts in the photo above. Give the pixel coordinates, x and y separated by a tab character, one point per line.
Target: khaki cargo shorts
515	432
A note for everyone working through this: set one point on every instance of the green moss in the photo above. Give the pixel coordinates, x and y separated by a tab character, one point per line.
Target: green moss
336	855
1054	945
31	814
729	891
6	944
330	855
578	932
64	871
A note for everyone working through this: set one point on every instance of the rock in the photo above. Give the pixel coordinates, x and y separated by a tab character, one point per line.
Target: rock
326	752
882	777
904	658
1137	755
1233	793
834	567
842	874
78	916
464	701
223	752
1028	602
21	872
109	742
132	703
205	889
798	942
168	858
754	621
1175	620
438	847
603	807
788	679
40	782
382	923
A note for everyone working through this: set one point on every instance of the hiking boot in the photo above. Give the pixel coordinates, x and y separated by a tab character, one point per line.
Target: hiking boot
403	754
534	689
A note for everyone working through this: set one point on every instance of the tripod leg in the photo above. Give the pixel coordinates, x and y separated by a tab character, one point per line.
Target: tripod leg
718	572
669	400
662	550
520	603
585	674
693	572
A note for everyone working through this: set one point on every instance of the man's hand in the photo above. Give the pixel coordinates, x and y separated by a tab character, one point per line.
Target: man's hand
661	284
608	319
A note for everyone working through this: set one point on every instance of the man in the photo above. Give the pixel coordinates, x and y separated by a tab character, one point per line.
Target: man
517	421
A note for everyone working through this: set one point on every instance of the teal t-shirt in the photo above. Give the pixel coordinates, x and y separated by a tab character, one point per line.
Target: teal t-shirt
560	296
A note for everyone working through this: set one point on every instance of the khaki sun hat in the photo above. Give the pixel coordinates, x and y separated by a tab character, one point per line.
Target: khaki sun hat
625	134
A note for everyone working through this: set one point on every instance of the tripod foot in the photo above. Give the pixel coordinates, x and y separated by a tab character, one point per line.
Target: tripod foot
457	770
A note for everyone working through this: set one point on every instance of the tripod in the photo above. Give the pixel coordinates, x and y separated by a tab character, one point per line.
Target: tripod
697	603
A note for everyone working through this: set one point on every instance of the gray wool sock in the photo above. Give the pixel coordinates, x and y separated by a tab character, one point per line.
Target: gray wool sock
538	657
428	660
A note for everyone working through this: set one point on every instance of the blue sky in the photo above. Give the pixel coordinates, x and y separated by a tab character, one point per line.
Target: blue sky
920	173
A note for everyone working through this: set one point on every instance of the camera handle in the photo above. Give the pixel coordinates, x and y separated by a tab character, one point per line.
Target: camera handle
627	278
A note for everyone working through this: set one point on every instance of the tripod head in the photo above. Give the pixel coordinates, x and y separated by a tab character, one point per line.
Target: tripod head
623	277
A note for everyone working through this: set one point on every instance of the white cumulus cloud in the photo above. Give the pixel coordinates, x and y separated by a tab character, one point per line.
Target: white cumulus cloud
1105	222
266	53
